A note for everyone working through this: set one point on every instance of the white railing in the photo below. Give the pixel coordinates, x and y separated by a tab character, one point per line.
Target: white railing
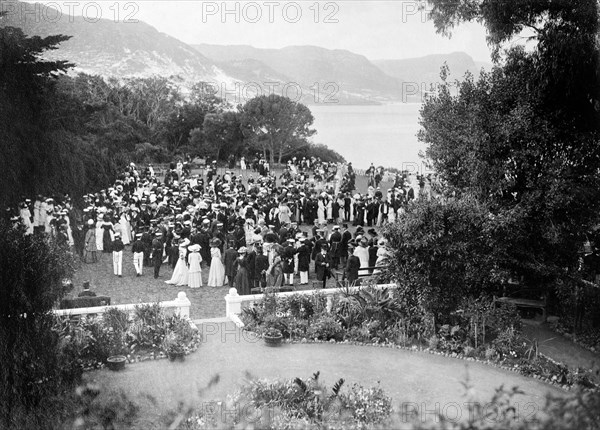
234	302
180	306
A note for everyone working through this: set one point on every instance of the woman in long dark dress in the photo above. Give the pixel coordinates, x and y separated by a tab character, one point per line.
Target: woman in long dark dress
241	276
107	236
275	270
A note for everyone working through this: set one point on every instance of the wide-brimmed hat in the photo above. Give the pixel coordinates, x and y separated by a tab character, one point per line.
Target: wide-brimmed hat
194	248
242	250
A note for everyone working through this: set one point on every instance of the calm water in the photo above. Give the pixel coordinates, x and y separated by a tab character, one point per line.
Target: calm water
384	135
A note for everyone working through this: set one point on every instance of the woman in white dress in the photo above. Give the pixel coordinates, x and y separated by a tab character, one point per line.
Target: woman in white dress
180	274
195	271
125	228
362	252
100	233
329	208
216	275
243	164
321	211
284	213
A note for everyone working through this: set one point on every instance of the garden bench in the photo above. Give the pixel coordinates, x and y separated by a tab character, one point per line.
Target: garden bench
517	298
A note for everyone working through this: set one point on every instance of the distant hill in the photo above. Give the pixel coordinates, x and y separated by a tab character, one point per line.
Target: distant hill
348	75
426	70
318	75
111	48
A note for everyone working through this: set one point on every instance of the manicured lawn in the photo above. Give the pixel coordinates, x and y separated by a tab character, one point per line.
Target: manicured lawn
413	379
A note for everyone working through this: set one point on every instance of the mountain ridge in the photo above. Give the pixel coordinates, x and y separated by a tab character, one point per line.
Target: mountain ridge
311	74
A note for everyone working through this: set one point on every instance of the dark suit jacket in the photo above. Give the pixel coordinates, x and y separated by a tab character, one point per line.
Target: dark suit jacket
229	261
303	258
320	269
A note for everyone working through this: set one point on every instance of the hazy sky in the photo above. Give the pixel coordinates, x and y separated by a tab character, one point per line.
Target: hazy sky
376	29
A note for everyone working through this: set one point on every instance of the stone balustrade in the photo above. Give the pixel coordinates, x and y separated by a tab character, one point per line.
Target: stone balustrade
180	306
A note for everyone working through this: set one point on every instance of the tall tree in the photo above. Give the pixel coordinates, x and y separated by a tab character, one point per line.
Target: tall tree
25	82
524	138
222	134
276	125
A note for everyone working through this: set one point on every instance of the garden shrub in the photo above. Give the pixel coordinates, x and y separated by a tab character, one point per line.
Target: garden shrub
149	327
325	328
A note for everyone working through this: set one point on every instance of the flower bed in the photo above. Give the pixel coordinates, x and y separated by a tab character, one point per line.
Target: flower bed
149	335
297	403
478	330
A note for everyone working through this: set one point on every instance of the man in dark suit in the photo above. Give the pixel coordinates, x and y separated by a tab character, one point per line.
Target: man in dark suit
250	265
157	253
347	206
229	258
261	264
346	238
322	265
334	244
147	241
352	267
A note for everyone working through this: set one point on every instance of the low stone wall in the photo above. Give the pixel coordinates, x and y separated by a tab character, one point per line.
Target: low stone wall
180	306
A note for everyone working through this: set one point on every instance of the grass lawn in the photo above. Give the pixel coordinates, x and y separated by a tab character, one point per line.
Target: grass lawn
418	379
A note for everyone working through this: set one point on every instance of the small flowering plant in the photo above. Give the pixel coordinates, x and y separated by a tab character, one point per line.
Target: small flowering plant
173	344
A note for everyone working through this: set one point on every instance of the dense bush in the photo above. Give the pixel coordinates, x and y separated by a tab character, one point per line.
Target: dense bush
440	253
31	276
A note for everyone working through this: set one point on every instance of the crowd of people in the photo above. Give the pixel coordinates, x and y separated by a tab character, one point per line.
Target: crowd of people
249	231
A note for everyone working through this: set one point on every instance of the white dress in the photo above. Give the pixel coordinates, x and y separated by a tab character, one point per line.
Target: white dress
284	214
180	274
216	275
195	272
321	212
363	255
99	236
125	229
